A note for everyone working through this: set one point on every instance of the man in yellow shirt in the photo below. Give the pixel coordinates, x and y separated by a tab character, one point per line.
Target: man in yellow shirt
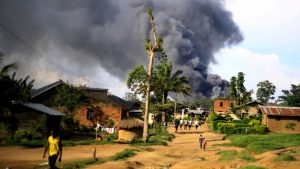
54	148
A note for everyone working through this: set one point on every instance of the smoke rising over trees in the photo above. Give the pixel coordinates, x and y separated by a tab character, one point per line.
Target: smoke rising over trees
74	37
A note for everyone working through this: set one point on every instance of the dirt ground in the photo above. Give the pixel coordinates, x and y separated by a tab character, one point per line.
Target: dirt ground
182	153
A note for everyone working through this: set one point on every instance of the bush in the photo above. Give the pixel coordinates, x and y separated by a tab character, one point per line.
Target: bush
214	124
214	116
254	122
290	126
124	154
227	155
285	157
227	128
261	129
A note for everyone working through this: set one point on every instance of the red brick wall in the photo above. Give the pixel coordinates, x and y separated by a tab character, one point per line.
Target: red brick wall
224	107
103	111
277	124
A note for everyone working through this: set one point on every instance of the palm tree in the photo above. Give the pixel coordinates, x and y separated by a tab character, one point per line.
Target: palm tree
166	82
12	91
5	85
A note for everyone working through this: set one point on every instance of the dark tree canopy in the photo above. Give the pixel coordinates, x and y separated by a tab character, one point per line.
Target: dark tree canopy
265	91
291	97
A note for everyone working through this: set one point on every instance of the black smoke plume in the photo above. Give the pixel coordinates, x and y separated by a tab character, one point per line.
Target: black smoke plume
74	37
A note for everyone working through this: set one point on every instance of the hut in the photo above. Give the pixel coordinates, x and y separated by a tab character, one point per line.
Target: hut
130	129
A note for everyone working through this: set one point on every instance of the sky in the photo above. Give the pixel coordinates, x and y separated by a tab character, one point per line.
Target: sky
270	50
96	43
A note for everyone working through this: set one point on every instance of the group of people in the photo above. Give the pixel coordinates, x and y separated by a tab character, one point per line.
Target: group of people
187	124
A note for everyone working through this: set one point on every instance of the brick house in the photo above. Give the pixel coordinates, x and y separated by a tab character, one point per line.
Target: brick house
223	105
103	107
278	118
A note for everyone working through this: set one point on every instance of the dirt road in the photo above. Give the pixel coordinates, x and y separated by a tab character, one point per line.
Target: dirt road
183	152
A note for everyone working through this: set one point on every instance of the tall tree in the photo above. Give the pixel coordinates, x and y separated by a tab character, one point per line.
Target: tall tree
238	90
12	91
165	82
291	97
131	97
232	88
152	46
136	80
265	91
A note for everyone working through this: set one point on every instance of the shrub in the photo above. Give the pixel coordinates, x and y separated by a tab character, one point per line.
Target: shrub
290	126
254	122
214	124
252	167
244	130
227	128
261	129
124	154
245	156
285	157
227	155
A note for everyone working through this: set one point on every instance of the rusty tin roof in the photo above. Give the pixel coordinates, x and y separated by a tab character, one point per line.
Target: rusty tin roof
280	111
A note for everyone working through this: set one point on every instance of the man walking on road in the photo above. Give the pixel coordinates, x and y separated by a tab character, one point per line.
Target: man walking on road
54	148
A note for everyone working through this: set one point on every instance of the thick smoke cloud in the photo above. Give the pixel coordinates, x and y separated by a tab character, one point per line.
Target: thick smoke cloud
75	36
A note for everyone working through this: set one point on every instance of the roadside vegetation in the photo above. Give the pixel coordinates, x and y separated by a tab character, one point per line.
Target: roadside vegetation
252	167
226	125
262	143
229	155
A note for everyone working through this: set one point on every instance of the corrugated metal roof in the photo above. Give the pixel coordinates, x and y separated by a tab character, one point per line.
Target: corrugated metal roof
280	111
41	90
127	104
42	108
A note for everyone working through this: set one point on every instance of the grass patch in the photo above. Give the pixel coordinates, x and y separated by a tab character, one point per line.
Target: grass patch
285	157
262	143
124	154
227	155
82	163
247	157
252	167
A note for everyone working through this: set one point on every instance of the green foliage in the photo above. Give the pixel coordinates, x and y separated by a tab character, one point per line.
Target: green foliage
137	79
69	97
124	154
38	130
131	97
265	91
214	116
11	125
82	163
260	129
232	88
227	155
254	122
246	157
285	157
164	81
290	126
227	128
291	97
263	143
238	90
69	125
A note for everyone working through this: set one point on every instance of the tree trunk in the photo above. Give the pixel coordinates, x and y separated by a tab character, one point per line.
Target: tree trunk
147	105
